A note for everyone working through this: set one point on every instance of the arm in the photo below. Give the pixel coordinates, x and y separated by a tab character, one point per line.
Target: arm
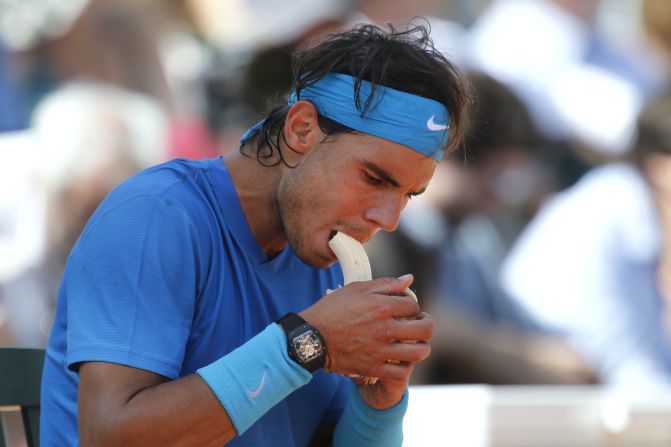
374	413
148	409
123	405
104	284
120	405
362	424
120	273
222	400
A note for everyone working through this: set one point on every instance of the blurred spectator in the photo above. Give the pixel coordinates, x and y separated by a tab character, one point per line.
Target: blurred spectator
96	40
455	237
112	86
95	86
85	138
579	83
399	12
251	67
148	47
13	109
594	264
249	25
657	27
502	182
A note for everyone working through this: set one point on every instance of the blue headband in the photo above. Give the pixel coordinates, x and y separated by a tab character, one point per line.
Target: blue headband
419	123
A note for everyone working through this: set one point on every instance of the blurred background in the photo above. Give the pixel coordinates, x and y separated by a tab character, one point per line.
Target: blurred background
542	246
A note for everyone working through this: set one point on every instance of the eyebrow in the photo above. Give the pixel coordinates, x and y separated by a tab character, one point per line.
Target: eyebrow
387	177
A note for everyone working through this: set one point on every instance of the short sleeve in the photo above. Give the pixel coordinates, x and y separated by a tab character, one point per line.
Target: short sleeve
131	287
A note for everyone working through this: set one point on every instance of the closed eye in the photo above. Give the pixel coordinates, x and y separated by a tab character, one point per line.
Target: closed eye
372	179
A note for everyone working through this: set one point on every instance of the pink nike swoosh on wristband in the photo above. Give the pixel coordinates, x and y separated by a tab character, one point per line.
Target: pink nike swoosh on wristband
256	392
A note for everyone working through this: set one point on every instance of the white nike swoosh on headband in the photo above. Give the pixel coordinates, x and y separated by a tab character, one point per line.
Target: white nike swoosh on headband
432	125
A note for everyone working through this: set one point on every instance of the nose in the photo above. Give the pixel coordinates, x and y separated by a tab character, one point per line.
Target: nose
385	216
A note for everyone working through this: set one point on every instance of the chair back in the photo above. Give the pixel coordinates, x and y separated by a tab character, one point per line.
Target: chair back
20	381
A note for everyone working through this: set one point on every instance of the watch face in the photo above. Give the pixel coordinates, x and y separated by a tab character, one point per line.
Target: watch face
307	346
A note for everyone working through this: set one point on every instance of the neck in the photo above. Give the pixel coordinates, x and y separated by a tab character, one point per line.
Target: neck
256	186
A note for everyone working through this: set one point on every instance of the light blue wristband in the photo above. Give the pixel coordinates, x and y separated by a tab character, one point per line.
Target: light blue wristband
255	377
361	424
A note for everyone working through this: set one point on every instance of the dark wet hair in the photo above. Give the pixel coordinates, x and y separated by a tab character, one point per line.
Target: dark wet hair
402	60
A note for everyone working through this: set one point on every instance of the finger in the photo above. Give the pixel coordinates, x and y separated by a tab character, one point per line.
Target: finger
390	286
409	353
427	318
395	352
424	316
397	372
418	329
397	306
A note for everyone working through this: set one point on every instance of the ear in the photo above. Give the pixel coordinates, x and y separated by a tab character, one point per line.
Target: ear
301	127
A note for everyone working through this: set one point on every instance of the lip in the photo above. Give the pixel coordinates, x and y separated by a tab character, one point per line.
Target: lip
357	236
331	256
361	240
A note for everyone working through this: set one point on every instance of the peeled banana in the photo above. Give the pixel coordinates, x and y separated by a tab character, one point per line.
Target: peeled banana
352	256
355	267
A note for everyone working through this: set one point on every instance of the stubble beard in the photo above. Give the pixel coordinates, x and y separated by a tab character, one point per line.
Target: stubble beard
290	215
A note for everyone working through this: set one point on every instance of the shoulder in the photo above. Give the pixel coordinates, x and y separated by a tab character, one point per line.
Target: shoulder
170	197
165	180
176	184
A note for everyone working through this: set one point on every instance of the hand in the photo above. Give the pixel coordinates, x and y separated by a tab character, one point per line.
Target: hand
361	326
386	393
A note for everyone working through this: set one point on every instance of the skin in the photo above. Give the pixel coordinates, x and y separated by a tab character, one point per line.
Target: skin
353	183
657	169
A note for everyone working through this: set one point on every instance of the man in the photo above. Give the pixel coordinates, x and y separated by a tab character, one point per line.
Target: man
191	291
607	290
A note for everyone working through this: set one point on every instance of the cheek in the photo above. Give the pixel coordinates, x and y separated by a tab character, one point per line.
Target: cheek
340	194
327	197
352	199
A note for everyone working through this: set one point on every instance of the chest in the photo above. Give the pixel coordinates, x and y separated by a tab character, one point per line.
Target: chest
239	298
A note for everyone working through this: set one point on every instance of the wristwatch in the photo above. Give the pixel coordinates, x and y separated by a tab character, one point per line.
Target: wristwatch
305	344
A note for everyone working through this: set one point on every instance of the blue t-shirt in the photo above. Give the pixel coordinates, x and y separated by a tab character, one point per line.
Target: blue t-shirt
168	277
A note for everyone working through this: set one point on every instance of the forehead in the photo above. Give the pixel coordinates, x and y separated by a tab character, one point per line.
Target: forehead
410	168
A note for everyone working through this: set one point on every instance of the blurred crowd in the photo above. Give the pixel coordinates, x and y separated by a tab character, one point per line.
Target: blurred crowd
543	245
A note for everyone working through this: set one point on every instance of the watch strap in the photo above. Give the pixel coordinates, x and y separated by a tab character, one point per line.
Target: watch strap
290	322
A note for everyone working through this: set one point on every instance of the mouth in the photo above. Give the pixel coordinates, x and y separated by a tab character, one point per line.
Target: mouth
331	255
361	237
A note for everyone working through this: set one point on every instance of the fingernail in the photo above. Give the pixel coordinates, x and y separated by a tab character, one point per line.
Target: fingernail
406	276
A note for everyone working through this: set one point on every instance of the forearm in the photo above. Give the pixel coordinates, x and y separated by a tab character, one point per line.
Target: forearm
180	412
361	424
209	408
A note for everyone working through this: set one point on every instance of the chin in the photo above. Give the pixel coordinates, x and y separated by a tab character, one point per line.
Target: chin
320	263
317	261
323	264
